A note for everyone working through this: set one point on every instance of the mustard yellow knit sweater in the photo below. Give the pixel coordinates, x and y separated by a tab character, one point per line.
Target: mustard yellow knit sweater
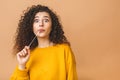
51	63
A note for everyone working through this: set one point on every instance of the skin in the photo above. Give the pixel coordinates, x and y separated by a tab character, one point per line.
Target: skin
41	28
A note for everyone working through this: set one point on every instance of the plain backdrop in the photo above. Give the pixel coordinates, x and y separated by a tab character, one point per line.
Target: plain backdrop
92	27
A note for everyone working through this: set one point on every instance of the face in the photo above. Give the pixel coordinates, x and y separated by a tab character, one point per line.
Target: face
42	25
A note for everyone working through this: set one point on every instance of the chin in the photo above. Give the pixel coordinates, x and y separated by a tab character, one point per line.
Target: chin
42	36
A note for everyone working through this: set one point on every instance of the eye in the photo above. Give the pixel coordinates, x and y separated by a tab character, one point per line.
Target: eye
36	20
46	20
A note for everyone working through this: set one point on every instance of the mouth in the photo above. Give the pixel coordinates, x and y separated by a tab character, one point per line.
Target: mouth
41	30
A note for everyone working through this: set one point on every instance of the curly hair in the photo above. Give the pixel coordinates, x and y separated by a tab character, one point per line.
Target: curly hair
24	32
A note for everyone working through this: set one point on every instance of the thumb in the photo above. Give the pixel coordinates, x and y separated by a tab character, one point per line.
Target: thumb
28	49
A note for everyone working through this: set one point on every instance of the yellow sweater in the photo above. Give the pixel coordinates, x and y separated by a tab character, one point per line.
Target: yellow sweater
50	63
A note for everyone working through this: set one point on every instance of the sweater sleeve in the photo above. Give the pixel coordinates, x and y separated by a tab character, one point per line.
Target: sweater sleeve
70	64
20	74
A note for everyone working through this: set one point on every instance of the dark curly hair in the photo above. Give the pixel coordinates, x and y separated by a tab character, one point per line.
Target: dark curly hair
24	33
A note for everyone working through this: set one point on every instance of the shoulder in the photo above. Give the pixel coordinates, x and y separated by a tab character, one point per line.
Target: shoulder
65	46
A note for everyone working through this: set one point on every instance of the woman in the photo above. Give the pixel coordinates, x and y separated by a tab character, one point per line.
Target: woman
42	50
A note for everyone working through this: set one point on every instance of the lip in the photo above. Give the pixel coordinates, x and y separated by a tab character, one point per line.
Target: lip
41	30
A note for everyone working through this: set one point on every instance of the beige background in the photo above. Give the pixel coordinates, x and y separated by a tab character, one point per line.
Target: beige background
92	26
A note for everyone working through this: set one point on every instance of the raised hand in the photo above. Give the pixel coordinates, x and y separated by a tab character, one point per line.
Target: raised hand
23	57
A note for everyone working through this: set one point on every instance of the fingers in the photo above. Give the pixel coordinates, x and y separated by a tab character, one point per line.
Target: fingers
27	48
24	52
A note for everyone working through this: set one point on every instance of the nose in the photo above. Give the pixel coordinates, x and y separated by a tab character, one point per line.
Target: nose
41	24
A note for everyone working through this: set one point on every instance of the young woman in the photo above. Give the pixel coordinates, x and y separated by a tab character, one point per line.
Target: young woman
42	50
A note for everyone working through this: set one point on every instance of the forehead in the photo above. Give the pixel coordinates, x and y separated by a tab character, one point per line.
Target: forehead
42	14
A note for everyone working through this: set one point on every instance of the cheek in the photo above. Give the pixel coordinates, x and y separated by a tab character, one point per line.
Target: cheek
35	25
49	28
34	28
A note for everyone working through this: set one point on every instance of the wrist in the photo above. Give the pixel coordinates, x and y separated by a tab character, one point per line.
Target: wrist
21	67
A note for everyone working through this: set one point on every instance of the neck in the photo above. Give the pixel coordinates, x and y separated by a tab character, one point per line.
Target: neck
43	42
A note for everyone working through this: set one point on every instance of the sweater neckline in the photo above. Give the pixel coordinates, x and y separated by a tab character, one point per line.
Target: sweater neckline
47	47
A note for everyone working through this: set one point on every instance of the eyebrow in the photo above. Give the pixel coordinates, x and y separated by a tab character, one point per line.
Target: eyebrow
43	16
